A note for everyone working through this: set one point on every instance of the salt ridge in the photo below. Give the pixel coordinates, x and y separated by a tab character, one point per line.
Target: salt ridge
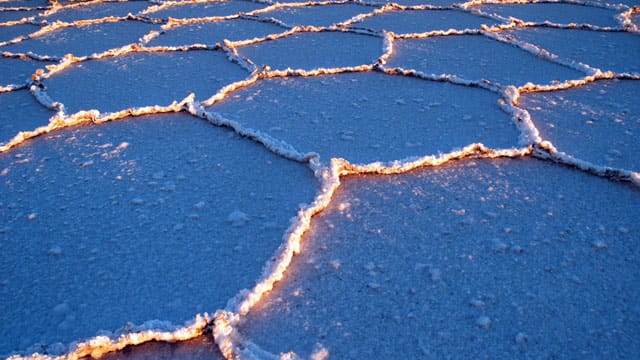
224	323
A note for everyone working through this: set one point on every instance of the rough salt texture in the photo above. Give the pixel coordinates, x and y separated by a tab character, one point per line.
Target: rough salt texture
246	179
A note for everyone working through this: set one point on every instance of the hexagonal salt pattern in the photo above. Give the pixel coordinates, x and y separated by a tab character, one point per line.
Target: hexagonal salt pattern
365	117
142	79
607	51
321	15
578	121
331	49
84	40
97	11
473	259
476	57
421	21
229	211
555	13
211	33
160	217
202	9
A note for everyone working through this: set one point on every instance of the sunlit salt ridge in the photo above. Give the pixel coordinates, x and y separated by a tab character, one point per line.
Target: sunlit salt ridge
372	266
96	169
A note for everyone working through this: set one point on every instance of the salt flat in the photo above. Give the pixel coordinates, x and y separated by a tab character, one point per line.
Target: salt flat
340	179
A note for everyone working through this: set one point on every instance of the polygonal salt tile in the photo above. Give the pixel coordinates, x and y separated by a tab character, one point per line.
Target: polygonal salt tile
555	13
320	15
84	40
20	112
142	79
7	16
421	21
473	259
476	57
598	122
205	9
8	33
200	348
366	117
211	33
615	51
97	11
160	217
330	49
18	71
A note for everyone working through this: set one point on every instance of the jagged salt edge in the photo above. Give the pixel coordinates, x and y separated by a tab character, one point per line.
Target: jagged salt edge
625	19
509	95
529	134
61	121
546	150
390	7
12	87
30	56
69	59
540	52
225	331
595	4
23	8
59	25
164	5
100	345
276	146
23	21
388	39
234	56
301	30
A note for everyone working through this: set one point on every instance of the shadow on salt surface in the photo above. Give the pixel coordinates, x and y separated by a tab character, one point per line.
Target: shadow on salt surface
614	51
18	71
135	220
198	10
84	40
211	33
312	50
8	33
142	79
555	13
20	112
476	57
200	348
321	15
97	11
421	21
366	117
474	259
598	122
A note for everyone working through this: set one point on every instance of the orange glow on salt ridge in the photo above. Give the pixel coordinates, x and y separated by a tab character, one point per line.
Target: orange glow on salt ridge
225	321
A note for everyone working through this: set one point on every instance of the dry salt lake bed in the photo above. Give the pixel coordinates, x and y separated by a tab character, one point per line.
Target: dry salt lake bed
338	179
